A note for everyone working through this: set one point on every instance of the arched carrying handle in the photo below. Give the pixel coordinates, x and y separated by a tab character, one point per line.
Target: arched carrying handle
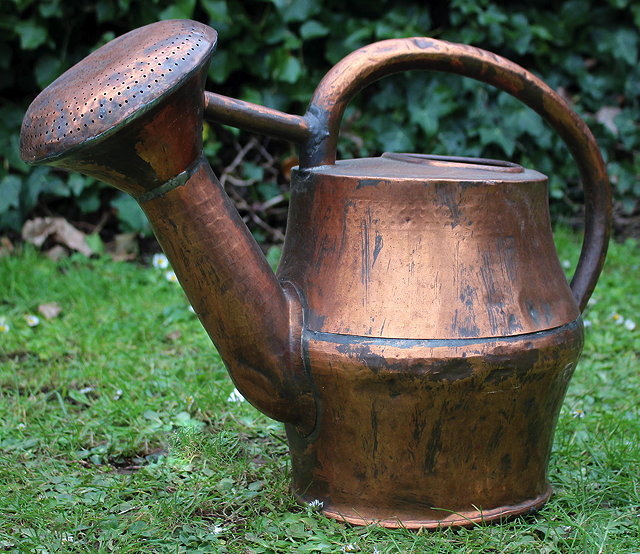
368	64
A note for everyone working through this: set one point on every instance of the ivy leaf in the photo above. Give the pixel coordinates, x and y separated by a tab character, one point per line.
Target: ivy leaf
47	69
285	67
268	190
273	256
625	46
35	184
291	70
428	104
31	35
10	192
130	215
635	10
89	201
182	9
77	183
312	29
105	10
56	187
12	155
390	135
217	10
223	66
252	171
297	10
50	9
495	135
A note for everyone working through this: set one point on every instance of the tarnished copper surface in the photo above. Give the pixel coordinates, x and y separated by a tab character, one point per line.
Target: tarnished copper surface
377	60
117	82
255	118
153	150
420	336
451	162
254	322
386	248
430	433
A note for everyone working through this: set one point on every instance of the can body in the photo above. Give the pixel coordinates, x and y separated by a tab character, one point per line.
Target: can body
440	335
430	433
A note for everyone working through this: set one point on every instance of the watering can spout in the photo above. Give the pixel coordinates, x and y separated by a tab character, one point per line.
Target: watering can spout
131	115
254	320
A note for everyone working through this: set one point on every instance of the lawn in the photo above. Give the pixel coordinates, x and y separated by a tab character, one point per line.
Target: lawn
120	430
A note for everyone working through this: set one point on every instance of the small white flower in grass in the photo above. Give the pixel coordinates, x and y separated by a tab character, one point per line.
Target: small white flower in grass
350	548
629	324
316	504
578	413
217	529
587	323
235	396
171	276
566	264
617	318
4	325
118	394
21	426
160	261
32	320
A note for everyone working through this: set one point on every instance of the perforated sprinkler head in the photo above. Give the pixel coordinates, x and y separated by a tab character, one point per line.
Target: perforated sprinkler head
117	85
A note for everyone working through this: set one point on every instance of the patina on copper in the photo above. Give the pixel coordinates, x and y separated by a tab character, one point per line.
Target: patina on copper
420	335
150	146
441	335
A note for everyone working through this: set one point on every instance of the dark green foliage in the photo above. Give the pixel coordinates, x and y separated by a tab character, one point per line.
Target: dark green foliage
274	52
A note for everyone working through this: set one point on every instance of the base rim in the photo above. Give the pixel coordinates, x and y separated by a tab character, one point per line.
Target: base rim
453	519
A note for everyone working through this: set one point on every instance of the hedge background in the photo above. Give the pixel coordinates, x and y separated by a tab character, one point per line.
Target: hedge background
274	52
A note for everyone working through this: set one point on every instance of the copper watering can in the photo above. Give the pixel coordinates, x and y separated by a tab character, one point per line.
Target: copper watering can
419	336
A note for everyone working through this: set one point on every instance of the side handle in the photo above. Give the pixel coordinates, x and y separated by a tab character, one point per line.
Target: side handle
368	64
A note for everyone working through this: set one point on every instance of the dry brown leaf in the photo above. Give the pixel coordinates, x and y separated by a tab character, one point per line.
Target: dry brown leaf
124	247
607	115
57	253
50	310
173	335
38	230
6	246
286	166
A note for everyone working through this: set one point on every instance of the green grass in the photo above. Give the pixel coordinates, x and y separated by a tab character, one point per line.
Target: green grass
117	435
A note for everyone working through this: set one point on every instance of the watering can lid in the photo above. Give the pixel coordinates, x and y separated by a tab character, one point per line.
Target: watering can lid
426	166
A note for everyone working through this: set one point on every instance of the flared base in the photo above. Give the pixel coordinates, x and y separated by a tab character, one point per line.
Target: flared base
448	519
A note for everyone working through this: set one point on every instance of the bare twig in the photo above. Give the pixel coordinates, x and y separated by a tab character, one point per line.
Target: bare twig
270	203
265	154
275	233
224	176
238	182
